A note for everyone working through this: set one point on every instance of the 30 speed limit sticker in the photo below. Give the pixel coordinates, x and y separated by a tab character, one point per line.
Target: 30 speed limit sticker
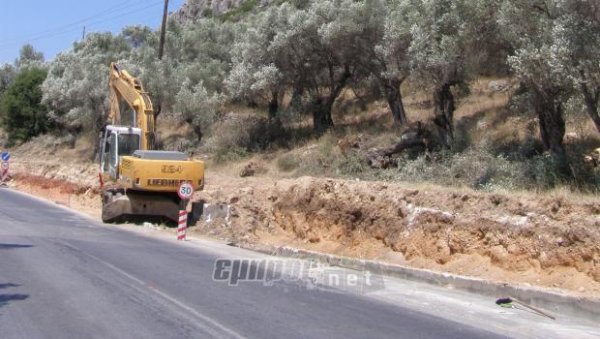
186	190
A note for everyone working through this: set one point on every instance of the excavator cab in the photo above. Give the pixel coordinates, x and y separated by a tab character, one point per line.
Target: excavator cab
117	142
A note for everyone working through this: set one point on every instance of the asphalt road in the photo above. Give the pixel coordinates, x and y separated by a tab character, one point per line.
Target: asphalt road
63	275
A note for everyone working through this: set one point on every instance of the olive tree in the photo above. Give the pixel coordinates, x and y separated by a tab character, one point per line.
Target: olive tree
315	52
76	88
437	54
254	73
7	74
390	62
198	107
580	30
29	57
540	61
206	52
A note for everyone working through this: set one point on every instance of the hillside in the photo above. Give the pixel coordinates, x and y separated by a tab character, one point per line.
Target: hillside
490	231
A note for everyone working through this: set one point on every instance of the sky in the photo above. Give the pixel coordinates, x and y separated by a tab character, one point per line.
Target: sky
52	26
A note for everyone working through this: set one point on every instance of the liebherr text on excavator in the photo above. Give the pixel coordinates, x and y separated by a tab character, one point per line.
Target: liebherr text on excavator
137	180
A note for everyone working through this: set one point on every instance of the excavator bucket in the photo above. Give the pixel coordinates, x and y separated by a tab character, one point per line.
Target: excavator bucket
119	206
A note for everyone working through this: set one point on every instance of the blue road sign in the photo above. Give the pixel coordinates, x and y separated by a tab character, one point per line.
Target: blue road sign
5	156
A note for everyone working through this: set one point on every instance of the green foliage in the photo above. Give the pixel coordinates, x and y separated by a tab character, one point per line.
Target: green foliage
7	74
28	56
225	155
438	47
352	165
22	114
237	13
198	108
541	53
76	89
248	133
254	75
315	48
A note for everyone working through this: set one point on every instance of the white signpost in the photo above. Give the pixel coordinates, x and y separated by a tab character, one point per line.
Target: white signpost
185	192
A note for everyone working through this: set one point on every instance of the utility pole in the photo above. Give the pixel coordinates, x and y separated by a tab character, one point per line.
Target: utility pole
83	34
163	29
161	48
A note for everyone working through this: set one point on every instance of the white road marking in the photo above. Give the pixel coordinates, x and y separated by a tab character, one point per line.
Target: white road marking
190	310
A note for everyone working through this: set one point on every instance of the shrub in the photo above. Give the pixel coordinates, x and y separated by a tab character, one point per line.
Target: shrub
22	113
231	154
480	169
245	132
198	107
351	165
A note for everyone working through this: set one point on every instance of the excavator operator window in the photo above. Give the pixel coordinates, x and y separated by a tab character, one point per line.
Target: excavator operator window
128	143
105	149
113	150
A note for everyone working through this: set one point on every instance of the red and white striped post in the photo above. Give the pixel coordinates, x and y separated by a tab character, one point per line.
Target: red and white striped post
4	176
4	172
182	225
185	192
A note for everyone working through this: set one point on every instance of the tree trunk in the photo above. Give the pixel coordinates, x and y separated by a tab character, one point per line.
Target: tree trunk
394	99
322	120
158	110
591	104
552	128
274	105
196	128
361	100
198	132
296	101
322	106
98	124
444	108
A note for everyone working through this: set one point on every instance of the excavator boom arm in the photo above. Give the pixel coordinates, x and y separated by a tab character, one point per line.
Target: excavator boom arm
124	87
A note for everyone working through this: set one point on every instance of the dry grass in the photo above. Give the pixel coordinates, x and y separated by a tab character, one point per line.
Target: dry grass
497	149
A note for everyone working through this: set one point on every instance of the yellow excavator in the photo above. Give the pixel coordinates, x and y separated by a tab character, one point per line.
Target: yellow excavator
137	180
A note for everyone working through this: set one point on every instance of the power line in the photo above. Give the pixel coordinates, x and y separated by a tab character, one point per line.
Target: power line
53	33
154	4
87	20
78	22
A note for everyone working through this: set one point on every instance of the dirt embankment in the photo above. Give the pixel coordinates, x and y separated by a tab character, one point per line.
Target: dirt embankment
551	241
59	179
